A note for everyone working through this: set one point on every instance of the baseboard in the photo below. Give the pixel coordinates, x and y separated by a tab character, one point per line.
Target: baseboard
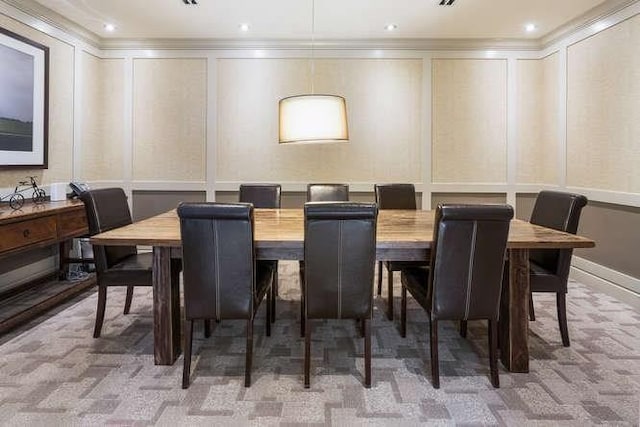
618	285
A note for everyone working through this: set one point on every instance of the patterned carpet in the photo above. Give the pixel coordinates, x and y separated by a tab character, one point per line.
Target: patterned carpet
54	373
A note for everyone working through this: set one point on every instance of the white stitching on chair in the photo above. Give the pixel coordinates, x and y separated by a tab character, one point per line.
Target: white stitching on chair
470	272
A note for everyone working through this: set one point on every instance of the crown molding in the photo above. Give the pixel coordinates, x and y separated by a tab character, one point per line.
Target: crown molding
333	44
585	20
49	17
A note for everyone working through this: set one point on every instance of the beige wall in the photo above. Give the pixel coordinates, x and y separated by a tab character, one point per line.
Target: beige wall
469	120
537	120
61	76
169	119
102	150
384	105
603	110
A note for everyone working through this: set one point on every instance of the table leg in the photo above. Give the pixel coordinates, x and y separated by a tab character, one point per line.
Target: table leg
63	255
166	308
514	313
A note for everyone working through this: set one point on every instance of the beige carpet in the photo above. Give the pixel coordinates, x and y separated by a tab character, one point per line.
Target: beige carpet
55	373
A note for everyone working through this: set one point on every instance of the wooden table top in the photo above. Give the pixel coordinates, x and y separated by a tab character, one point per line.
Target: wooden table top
33	210
285	228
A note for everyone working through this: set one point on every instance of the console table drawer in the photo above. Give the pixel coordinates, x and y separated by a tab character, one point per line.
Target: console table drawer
72	223
25	233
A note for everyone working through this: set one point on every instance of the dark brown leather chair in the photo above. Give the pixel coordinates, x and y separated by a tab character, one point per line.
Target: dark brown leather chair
327	193
107	209
549	268
394	196
221	277
266	196
339	255
261	195
320	193
464	280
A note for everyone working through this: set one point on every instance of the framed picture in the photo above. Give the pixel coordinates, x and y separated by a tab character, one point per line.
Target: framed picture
24	102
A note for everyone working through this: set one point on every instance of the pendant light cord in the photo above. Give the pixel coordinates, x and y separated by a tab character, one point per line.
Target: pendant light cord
313	39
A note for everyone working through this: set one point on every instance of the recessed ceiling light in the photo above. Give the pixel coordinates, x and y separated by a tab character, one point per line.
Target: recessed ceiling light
390	27
109	27
529	28
244	27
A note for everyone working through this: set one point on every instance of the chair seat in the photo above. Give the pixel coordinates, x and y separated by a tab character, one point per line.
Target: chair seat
134	270
416	281
264	274
542	280
401	265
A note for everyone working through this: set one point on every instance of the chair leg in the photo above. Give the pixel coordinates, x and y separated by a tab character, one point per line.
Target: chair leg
403	312
532	311
307	354
561	304
463	328
267	320
188	336
435	368
127	301
274	294
302	320
249	355
275	279
207	328
302	311
390	295
366	323
379	278
493	351
102	302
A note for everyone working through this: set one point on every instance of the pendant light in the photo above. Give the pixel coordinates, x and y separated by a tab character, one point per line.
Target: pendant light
313	118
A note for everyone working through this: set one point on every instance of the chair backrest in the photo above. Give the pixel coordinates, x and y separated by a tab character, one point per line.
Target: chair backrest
218	260
327	193
560	211
339	257
107	209
261	195
467	261
395	196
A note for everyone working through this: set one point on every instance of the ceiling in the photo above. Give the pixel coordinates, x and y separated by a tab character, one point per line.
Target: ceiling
334	19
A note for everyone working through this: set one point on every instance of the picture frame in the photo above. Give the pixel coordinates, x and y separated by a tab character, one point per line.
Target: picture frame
24	102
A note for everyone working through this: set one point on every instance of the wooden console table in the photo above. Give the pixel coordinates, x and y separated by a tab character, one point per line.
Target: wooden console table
37	226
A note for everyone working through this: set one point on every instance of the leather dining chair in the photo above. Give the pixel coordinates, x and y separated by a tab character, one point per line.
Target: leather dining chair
549	268
327	193
320	193
394	196
339	255
464	280
261	195
222	279
107	209
267	196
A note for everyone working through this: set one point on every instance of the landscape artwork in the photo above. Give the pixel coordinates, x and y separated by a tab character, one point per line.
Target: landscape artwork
23	102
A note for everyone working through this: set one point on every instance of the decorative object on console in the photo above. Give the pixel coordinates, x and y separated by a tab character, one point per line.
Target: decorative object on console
16	199
24	104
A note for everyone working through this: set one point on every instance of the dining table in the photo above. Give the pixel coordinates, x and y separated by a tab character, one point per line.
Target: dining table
402	235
